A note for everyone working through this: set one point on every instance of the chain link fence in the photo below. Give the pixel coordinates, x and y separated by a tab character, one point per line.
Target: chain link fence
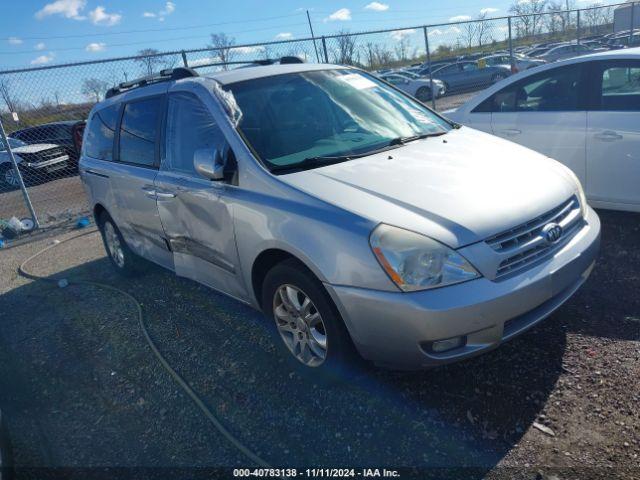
43	110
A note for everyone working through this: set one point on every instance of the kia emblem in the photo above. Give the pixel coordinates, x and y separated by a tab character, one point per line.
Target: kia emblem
552	233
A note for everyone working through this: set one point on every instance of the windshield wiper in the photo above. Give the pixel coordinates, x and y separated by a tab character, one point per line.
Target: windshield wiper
311	162
321	161
403	140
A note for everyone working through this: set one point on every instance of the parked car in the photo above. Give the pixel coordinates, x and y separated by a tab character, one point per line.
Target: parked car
354	217
424	70
563	52
35	162
624	41
67	134
467	75
420	88
537	51
584	112
521	62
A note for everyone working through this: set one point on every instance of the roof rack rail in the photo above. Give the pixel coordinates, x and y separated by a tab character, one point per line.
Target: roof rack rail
165	75
253	63
282	61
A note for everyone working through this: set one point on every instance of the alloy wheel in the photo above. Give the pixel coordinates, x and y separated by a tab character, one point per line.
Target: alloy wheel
11	177
300	325
114	246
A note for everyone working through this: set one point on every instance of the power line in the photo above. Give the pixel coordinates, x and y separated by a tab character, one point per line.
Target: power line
148	42
149	30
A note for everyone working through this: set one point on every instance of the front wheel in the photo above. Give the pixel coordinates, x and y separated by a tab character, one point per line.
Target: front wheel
423	94
8	177
309	326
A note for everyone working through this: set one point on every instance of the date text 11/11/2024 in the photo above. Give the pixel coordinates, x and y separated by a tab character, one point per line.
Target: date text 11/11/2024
316	473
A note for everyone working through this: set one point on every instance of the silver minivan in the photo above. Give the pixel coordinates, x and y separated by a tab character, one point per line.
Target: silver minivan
358	220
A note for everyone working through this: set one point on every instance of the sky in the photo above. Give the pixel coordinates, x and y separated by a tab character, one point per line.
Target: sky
41	32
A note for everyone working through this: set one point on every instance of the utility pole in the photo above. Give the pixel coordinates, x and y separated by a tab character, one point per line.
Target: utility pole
313	37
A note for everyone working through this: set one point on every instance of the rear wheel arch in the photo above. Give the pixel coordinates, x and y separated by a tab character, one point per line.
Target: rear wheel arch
98	211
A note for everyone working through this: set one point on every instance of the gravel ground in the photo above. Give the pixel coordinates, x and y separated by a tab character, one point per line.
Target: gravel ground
80	387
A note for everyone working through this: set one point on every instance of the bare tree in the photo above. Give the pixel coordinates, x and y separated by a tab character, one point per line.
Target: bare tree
484	29
7	95
222	47
346	53
94	88
529	19
596	15
150	60
554	21
468	33
384	56
402	49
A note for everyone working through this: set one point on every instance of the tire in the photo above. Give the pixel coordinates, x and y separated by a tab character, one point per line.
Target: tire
8	179
125	262
423	94
330	353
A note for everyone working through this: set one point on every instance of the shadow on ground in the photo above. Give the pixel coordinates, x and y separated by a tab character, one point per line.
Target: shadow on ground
80	386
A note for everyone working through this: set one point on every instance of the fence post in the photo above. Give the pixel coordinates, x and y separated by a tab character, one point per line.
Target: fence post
184	59
313	37
27	200
426	45
578	27
511	57
633	11
324	47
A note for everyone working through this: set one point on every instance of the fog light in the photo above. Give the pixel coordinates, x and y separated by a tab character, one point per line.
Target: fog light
448	344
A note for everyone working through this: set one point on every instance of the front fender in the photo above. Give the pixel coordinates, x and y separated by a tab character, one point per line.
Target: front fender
331	242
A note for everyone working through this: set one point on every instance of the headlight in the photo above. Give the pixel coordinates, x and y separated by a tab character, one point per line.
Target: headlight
415	262
581	196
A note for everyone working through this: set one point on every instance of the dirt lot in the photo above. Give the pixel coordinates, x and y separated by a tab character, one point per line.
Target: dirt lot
81	388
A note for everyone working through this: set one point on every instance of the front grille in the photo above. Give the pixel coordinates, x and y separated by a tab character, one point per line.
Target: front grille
524	246
43	156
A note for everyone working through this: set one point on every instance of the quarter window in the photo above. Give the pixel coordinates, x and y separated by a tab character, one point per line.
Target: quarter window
190	127
139	130
101	132
620	89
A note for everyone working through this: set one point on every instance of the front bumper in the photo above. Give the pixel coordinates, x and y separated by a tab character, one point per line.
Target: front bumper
396	329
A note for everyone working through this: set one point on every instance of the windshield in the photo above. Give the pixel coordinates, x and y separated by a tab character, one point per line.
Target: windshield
289	119
13	142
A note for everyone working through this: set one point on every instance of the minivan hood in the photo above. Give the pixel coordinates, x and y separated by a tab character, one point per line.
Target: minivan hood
459	188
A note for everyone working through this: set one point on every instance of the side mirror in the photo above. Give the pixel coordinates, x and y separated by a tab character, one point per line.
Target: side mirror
208	163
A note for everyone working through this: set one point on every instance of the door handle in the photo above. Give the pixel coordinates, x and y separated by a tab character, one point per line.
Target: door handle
149	191
97	174
161	195
609	136
511	132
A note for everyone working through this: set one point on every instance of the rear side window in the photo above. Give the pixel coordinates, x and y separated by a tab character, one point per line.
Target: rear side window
101	132
620	87
190	127
139	131
556	90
